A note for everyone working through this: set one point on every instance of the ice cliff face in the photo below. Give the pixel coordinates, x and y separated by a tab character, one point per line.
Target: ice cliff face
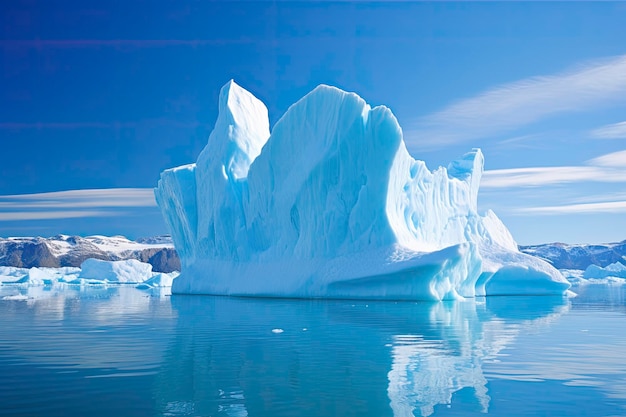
331	204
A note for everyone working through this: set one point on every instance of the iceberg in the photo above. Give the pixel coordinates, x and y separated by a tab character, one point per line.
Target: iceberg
616	269
92	272
129	271
331	204
160	280
36	276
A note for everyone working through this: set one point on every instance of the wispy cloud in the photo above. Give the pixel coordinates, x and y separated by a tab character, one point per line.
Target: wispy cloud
606	168
615	159
520	103
602	207
604	197
52	215
532	177
96	125
614	131
73	203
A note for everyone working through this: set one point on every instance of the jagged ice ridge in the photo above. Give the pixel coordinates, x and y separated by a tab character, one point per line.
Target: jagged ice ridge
331	204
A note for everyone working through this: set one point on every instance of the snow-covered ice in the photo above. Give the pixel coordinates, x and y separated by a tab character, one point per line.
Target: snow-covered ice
574	276
127	271
159	280
36	276
331	204
616	269
614	273
92	272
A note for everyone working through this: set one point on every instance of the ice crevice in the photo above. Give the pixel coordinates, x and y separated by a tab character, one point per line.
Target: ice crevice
332	205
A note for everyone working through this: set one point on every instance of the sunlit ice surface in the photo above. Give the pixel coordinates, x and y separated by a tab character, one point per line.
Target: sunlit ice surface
121	351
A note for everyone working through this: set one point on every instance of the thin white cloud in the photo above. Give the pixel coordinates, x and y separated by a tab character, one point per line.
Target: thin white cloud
51	215
594	198
615	159
532	177
73	203
603	207
523	102
614	131
606	168
90	198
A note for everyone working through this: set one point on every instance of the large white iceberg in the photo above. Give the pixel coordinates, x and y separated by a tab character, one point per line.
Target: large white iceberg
331	204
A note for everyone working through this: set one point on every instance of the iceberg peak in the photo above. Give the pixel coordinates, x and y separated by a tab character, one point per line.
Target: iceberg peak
241	130
470	169
331	204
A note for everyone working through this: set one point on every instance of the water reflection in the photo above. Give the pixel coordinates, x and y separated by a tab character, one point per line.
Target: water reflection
426	372
77	348
238	357
99	329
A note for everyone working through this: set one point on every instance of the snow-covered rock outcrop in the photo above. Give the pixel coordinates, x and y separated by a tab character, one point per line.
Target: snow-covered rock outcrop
71	251
331	204
578	256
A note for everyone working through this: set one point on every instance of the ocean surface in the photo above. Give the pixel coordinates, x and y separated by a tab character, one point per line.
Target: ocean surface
126	352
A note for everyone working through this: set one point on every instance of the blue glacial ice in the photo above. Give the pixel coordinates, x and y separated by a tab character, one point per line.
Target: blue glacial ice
616	270
126	271
91	272
331	204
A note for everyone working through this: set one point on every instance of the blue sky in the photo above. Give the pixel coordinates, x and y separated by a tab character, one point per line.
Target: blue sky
98	97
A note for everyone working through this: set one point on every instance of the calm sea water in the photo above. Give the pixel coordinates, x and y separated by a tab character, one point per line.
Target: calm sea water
125	352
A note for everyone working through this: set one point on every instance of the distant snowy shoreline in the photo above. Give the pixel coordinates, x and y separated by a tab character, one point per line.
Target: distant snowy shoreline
37	261
71	251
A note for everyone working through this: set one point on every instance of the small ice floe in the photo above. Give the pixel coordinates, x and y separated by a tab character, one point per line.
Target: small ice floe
277	331
94	272
614	270
574	276
18	297
85	281
129	271
159	280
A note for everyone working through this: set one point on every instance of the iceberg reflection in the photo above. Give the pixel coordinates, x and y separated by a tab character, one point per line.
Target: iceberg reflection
337	357
426	372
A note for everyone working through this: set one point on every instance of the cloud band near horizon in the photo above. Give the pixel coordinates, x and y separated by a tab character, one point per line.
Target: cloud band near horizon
73	203
605	168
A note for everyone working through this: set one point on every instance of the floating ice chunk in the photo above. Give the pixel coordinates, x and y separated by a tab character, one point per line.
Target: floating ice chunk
616	269
122	272
159	280
16	297
11	275
574	276
36	276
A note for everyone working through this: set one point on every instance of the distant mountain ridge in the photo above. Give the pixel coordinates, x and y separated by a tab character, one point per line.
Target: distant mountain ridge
63	250
580	256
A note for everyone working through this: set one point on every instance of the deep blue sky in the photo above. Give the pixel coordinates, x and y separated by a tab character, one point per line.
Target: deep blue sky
106	94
